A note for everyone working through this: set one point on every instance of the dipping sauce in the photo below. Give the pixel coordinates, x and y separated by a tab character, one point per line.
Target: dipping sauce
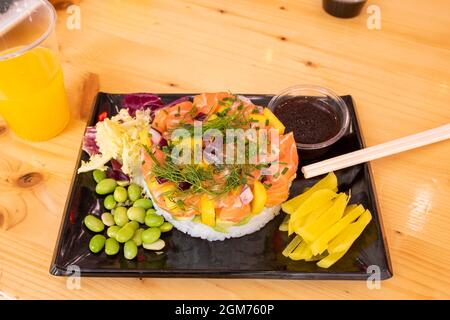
311	120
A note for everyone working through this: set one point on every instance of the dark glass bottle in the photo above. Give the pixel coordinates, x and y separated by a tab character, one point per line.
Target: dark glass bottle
343	8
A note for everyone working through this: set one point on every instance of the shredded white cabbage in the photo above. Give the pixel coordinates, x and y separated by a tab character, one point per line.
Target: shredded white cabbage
118	138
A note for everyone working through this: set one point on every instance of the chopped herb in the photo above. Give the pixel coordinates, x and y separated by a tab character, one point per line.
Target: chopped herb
284	170
267	122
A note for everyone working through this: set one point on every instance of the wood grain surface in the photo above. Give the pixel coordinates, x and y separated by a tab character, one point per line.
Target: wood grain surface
399	77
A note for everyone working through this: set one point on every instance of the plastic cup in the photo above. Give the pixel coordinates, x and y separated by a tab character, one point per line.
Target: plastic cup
33	100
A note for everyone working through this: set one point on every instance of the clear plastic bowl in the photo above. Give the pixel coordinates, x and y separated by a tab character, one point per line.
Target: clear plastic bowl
331	99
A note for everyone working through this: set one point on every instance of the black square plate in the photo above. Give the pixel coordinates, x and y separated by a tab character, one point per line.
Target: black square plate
257	255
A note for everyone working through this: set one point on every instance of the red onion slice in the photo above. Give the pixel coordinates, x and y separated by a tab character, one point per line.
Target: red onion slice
156	136
246	195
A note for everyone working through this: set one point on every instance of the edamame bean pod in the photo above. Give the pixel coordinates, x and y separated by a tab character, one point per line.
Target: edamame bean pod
126	232
120	216
108	219
153	220
106	186
150	235
98	175
137	238
130	250
112	231
143	203
109	203
136	214
120	194
134	192
157	245
97	242
166	227
111	246
93	223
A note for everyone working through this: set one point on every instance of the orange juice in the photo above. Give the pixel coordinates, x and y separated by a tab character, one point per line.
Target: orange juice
32	96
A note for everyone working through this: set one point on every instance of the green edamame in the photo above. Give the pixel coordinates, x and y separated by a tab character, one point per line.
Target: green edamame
120	194
130	250
137	238
143	203
106	186
126	232
157	245
134	225
134	192
150	211
97	243
120	216
99	175
93	223
153	220
150	235
109	203
111	246
112	231
166	227
107	219
136	214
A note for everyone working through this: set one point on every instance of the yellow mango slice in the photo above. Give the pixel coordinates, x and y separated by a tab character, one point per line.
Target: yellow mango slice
291	246
259	197
207	210
317	200
284	225
274	121
321	244
328	182
315	229
313	216
345	239
299	252
331	259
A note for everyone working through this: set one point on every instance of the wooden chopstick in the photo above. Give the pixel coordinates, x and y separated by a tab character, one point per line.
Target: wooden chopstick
378	151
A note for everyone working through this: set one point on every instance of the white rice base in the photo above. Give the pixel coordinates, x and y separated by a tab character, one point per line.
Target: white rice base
200	230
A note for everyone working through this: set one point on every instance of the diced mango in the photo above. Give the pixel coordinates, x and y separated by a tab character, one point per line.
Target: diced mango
274	121
320	245
207	210
328	182
260	119
315	229
317	200
259	197
144	138
345	239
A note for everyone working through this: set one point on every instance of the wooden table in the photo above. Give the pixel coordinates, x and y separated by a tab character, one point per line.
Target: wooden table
399	77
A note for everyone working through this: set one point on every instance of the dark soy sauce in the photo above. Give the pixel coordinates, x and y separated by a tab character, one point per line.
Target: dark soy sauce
311	120
343	8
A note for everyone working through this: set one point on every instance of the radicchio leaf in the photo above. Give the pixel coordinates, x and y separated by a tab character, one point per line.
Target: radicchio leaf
141	101
115	172
89	144
180	100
